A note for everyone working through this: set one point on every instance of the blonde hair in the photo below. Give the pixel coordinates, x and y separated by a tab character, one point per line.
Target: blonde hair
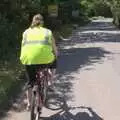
37	20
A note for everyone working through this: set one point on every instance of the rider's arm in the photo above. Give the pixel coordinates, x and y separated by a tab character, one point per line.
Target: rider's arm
54	47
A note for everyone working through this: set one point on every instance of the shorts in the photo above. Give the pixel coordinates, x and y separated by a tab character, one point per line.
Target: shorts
31	71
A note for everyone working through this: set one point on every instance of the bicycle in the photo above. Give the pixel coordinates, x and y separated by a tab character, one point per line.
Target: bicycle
39	91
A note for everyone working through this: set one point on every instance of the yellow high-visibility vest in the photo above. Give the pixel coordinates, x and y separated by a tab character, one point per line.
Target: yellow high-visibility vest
36	46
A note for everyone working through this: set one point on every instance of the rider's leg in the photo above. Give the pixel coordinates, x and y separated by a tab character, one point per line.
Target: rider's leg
53	69
28	95
52	72
30	73
49	77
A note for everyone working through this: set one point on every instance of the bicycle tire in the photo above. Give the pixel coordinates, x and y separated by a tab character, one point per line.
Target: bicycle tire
55	103
44	91
32	114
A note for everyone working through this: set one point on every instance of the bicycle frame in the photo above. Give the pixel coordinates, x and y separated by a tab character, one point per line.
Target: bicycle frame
39	92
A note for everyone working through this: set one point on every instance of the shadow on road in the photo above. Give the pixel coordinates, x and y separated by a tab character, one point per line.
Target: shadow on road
73	113
72	61
100	25
75	58
96	31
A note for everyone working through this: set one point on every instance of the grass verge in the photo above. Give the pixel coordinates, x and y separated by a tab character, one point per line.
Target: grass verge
11	82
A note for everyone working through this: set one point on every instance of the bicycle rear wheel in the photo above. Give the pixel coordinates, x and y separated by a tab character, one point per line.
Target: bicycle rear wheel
32	112
44	90
35	110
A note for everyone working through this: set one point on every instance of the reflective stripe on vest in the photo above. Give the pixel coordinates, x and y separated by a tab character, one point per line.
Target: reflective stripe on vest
42	42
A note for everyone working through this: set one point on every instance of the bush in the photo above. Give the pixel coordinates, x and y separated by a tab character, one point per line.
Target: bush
96	8
102	9
9	38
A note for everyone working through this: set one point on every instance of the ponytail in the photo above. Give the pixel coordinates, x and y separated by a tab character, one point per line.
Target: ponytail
37	20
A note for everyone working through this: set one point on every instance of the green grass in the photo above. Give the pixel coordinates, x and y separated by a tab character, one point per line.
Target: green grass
10	82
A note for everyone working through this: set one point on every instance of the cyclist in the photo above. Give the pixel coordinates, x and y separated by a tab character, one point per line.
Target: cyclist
38	49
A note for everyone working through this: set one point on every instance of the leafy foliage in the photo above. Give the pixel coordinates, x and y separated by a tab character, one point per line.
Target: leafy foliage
15	16
115	8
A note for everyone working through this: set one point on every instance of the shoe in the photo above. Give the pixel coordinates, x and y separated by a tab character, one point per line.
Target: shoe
28	108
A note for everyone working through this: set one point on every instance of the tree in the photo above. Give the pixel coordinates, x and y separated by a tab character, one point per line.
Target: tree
115	8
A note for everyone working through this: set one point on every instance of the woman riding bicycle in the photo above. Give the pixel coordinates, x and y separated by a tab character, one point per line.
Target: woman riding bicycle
38	49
